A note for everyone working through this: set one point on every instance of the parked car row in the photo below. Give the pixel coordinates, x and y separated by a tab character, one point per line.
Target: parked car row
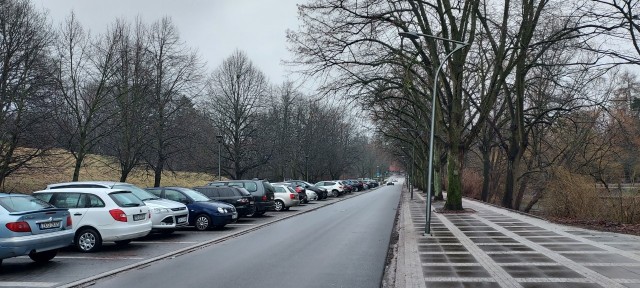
87	214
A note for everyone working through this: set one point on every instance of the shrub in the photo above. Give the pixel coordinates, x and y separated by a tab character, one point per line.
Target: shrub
571	195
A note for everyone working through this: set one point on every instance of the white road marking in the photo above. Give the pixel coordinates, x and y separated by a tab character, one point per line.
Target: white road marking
236	224
27	284
165	242
99	258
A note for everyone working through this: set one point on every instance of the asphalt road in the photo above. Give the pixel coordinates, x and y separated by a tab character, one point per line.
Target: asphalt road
341	245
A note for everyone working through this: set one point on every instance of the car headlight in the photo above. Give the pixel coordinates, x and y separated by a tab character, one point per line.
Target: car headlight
222	210
160	210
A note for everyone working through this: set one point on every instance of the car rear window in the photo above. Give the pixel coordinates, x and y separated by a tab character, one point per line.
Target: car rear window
280	189
23	203
126	199
242	191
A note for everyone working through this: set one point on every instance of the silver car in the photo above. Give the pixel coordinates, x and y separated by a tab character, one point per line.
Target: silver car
32	227
285	197
166	215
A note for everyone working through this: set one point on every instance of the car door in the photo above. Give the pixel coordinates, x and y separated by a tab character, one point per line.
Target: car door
96	213
71	201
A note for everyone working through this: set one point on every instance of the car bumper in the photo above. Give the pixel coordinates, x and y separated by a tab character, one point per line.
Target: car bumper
18	246
224	219
246	209
169	221
125	232
265	206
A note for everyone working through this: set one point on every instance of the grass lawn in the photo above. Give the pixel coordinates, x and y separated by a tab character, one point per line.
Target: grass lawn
58	167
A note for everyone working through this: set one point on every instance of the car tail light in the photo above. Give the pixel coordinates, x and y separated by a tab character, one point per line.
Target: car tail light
264	198
18	226
292	196
69	223
118	215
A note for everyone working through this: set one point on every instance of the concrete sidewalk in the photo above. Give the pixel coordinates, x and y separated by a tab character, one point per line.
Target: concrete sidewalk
499	248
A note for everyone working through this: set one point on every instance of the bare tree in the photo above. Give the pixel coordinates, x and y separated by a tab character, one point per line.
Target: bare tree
237	93
85	68
25	85
177	73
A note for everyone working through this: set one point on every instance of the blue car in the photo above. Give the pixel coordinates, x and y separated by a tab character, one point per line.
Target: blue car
32	227
204	213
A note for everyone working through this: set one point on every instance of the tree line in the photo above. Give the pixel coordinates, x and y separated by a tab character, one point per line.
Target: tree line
140	95
540	88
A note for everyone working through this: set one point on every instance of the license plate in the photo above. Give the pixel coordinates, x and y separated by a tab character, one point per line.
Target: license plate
234	216
49	225
138	217
251	202
182	219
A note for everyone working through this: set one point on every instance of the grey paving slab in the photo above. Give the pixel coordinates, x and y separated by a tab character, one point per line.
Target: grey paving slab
483	233
483	240
505	248
521	258
451	284
572	247
634	247
541	272
477	228
441	248
599	258
447	258
617	272
536	233
559	285
547	239
455	271
431	240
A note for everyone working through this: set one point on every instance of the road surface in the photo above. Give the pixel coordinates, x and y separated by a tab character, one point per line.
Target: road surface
341	245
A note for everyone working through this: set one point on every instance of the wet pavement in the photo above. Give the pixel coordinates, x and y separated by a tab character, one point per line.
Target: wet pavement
494	247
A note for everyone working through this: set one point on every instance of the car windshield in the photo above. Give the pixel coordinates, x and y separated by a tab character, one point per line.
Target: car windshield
139	192
23	203
195	195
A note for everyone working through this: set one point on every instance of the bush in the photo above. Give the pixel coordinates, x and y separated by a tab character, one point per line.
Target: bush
571	195
471	183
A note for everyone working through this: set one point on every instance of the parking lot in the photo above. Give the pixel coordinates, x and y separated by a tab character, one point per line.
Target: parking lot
70	266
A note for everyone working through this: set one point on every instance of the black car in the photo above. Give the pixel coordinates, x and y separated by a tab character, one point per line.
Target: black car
322	193
261	190
204	213
236	196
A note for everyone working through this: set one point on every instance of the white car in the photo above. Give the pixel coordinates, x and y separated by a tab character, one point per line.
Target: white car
311	196
166	215
334	187
101	215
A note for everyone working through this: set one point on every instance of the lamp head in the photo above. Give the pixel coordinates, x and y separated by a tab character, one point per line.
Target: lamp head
410	34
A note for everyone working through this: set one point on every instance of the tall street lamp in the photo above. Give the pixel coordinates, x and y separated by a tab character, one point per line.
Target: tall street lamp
219	138
306	164
458	45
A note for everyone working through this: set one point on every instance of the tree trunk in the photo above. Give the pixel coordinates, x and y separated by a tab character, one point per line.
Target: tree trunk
78	165
454	175
521	189
158	172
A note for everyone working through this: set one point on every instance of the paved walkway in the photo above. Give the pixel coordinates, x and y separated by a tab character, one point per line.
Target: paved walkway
498	248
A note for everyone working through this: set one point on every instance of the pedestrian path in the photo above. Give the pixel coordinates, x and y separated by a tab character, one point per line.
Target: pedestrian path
495	247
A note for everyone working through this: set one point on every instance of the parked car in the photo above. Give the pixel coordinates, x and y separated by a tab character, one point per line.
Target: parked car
322	193
312	196
101	215
204	213
261	190
302	193
334	187
166	215
286	197
389	183
32	227
357	185
347	185
239	197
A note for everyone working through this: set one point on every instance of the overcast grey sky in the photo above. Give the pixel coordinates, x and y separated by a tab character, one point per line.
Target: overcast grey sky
214	27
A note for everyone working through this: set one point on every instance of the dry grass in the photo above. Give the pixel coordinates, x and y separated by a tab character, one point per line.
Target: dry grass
58	167
571	195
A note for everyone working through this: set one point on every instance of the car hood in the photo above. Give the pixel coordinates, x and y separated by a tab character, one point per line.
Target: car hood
163	203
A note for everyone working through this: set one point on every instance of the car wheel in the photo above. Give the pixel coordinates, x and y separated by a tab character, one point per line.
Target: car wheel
335	193
250	213
203	222
43	256
122	242
279	206
88	240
